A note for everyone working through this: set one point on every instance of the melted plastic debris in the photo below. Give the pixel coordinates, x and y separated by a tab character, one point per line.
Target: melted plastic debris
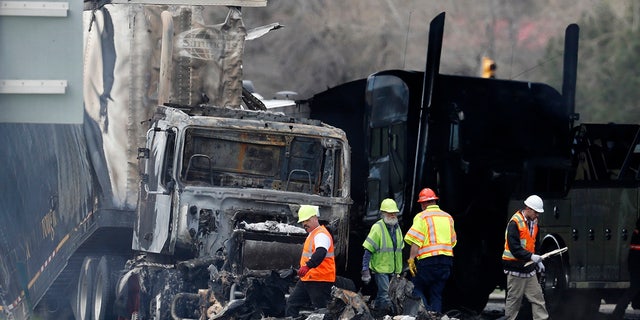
349	305
272	226
315	316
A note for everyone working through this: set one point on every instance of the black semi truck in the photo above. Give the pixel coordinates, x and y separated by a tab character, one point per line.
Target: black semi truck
484	145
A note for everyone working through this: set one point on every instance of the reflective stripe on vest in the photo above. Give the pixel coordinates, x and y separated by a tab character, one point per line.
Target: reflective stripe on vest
326	271
439	238
384	259
527	240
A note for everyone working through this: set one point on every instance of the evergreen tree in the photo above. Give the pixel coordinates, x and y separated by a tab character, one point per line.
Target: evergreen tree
608	88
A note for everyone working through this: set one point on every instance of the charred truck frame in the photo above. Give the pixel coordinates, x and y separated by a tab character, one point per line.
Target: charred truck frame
485	145
219	200
170	201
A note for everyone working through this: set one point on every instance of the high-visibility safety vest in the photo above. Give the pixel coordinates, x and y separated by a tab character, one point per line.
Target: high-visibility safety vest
385	259
433	232
326	271
527	239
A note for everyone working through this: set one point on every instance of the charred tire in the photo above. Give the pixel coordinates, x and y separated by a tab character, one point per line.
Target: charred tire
84	291
555	281
105	279
555	284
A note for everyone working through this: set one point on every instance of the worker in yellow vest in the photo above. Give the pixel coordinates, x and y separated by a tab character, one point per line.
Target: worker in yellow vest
317	265
432	238
519	248
383	254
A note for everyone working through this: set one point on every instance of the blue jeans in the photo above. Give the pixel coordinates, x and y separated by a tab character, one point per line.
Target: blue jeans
382	298
430	279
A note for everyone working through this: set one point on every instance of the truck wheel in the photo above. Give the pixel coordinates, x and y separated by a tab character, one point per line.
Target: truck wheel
84	291
164	287
105	280
562	302
129	299
554	284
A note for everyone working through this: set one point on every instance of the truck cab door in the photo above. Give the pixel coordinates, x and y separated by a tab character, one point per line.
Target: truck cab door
386	125
156	189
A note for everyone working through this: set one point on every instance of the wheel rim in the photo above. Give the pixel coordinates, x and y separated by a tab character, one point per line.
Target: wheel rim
85	288
83	299
98	298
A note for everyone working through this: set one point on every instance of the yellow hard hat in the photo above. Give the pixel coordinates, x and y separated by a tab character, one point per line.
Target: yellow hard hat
307	211
388	205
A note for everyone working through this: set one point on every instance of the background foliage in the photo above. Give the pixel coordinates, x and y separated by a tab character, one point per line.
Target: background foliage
329	42
608	65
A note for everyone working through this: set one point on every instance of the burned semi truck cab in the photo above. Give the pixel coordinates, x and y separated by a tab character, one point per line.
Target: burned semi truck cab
221	190
205	196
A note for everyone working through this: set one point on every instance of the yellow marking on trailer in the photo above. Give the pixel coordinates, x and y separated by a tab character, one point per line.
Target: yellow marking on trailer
64	239
48	224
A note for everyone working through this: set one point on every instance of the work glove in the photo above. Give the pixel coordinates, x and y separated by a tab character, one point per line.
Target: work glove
366	276
536	258
412	267
540	267
302	271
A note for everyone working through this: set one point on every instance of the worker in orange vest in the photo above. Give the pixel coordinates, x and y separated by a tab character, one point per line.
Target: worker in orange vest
519	248
317	265
432	238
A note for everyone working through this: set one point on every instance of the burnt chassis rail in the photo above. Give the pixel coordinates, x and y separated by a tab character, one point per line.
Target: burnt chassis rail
254	279
215	287
255	292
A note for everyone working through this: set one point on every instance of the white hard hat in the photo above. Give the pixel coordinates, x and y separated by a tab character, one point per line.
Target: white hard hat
534	202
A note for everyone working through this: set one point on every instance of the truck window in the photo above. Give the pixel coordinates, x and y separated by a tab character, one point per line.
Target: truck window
607	153
159	162
167	163
387	99
249	159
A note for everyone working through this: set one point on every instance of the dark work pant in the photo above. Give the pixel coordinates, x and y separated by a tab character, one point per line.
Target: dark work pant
308	292
430	279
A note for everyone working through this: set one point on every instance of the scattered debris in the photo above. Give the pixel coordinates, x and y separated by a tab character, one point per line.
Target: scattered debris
349	305
402	298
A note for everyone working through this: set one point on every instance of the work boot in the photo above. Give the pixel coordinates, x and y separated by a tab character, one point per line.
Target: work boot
381	311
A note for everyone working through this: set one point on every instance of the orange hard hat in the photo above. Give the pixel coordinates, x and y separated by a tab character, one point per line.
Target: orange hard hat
426	194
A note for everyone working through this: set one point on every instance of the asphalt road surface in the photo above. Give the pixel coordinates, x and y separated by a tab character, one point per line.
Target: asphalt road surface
495	309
